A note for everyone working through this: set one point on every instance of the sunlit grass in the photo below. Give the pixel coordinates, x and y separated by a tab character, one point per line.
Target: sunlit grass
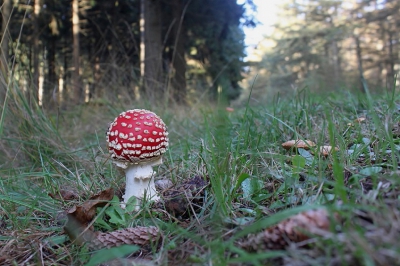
253	182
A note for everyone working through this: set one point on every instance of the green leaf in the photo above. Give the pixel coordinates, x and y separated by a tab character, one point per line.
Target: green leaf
104	255
56	240
298	162
371	170
246	257
239	220
247	188
116	214
103	224
131	205
307	155
240	179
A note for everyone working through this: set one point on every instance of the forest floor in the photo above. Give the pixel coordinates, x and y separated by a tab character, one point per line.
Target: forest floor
235	195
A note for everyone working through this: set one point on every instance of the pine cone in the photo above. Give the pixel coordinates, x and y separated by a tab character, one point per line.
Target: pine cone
178	198
294	229
141	236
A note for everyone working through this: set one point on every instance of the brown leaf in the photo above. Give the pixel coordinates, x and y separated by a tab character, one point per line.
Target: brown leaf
360	119
64	194
307	144
297	228
141	236
396	130
86	212
79	217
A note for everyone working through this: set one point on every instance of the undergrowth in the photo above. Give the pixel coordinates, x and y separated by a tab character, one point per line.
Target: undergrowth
253	182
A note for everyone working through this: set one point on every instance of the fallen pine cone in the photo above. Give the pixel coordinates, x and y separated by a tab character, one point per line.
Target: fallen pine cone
144	237
294	229
178	198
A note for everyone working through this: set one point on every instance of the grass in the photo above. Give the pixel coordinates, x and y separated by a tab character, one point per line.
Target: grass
253	182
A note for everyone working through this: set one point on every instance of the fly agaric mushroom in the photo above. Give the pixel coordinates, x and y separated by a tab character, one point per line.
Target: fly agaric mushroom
136	141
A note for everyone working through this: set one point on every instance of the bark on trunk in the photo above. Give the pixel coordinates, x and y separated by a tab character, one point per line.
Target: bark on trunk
36	51
390	64
76	84
151	67
336	63
50	94
6	12
178	81
360	65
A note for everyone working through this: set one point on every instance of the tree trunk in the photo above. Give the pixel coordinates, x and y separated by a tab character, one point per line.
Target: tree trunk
34	96
390	64
6	13
336	63
360	65
62	79
381	81
151	49
336	53
178	81
50	93
51	84
76	84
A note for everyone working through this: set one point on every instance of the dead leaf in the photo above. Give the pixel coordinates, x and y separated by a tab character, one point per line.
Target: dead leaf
86	212
396	130
359	119
64	194
307	144
79	217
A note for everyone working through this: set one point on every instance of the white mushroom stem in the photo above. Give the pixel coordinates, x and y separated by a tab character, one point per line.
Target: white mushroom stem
140	181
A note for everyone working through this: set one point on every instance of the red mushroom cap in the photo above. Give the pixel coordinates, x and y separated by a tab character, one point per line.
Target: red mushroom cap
137	135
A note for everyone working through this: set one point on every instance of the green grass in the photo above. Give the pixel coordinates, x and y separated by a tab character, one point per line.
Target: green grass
253	182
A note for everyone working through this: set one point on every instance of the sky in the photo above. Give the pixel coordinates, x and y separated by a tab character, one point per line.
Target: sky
266	14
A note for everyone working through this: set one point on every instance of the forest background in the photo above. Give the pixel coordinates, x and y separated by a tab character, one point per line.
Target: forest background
63	53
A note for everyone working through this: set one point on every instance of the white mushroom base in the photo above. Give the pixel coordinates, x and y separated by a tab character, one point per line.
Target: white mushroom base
140	181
